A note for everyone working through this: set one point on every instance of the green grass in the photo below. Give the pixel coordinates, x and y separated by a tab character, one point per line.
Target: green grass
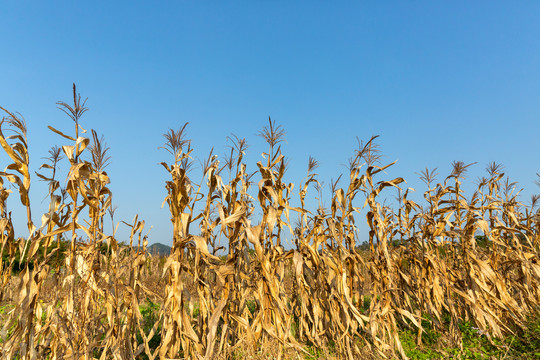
150	313
527	343
4	310
476	345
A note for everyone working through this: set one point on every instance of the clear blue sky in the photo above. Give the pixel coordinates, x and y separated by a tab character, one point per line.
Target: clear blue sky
439	81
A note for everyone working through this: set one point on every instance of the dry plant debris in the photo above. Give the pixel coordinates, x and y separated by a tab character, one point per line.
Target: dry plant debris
454	258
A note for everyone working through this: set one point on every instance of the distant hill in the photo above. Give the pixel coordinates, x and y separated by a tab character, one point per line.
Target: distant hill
159	249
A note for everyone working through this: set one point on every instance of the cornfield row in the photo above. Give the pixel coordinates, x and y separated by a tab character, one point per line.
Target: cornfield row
424	263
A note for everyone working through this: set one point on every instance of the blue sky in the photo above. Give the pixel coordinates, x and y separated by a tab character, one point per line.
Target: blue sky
438	81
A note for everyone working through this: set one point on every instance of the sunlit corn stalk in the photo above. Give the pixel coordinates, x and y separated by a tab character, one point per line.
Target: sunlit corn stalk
234	208
7	237
22	338
178	333
386	296
100	195
304	321
273	319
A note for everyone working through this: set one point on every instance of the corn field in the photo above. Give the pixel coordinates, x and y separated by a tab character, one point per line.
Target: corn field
232	287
